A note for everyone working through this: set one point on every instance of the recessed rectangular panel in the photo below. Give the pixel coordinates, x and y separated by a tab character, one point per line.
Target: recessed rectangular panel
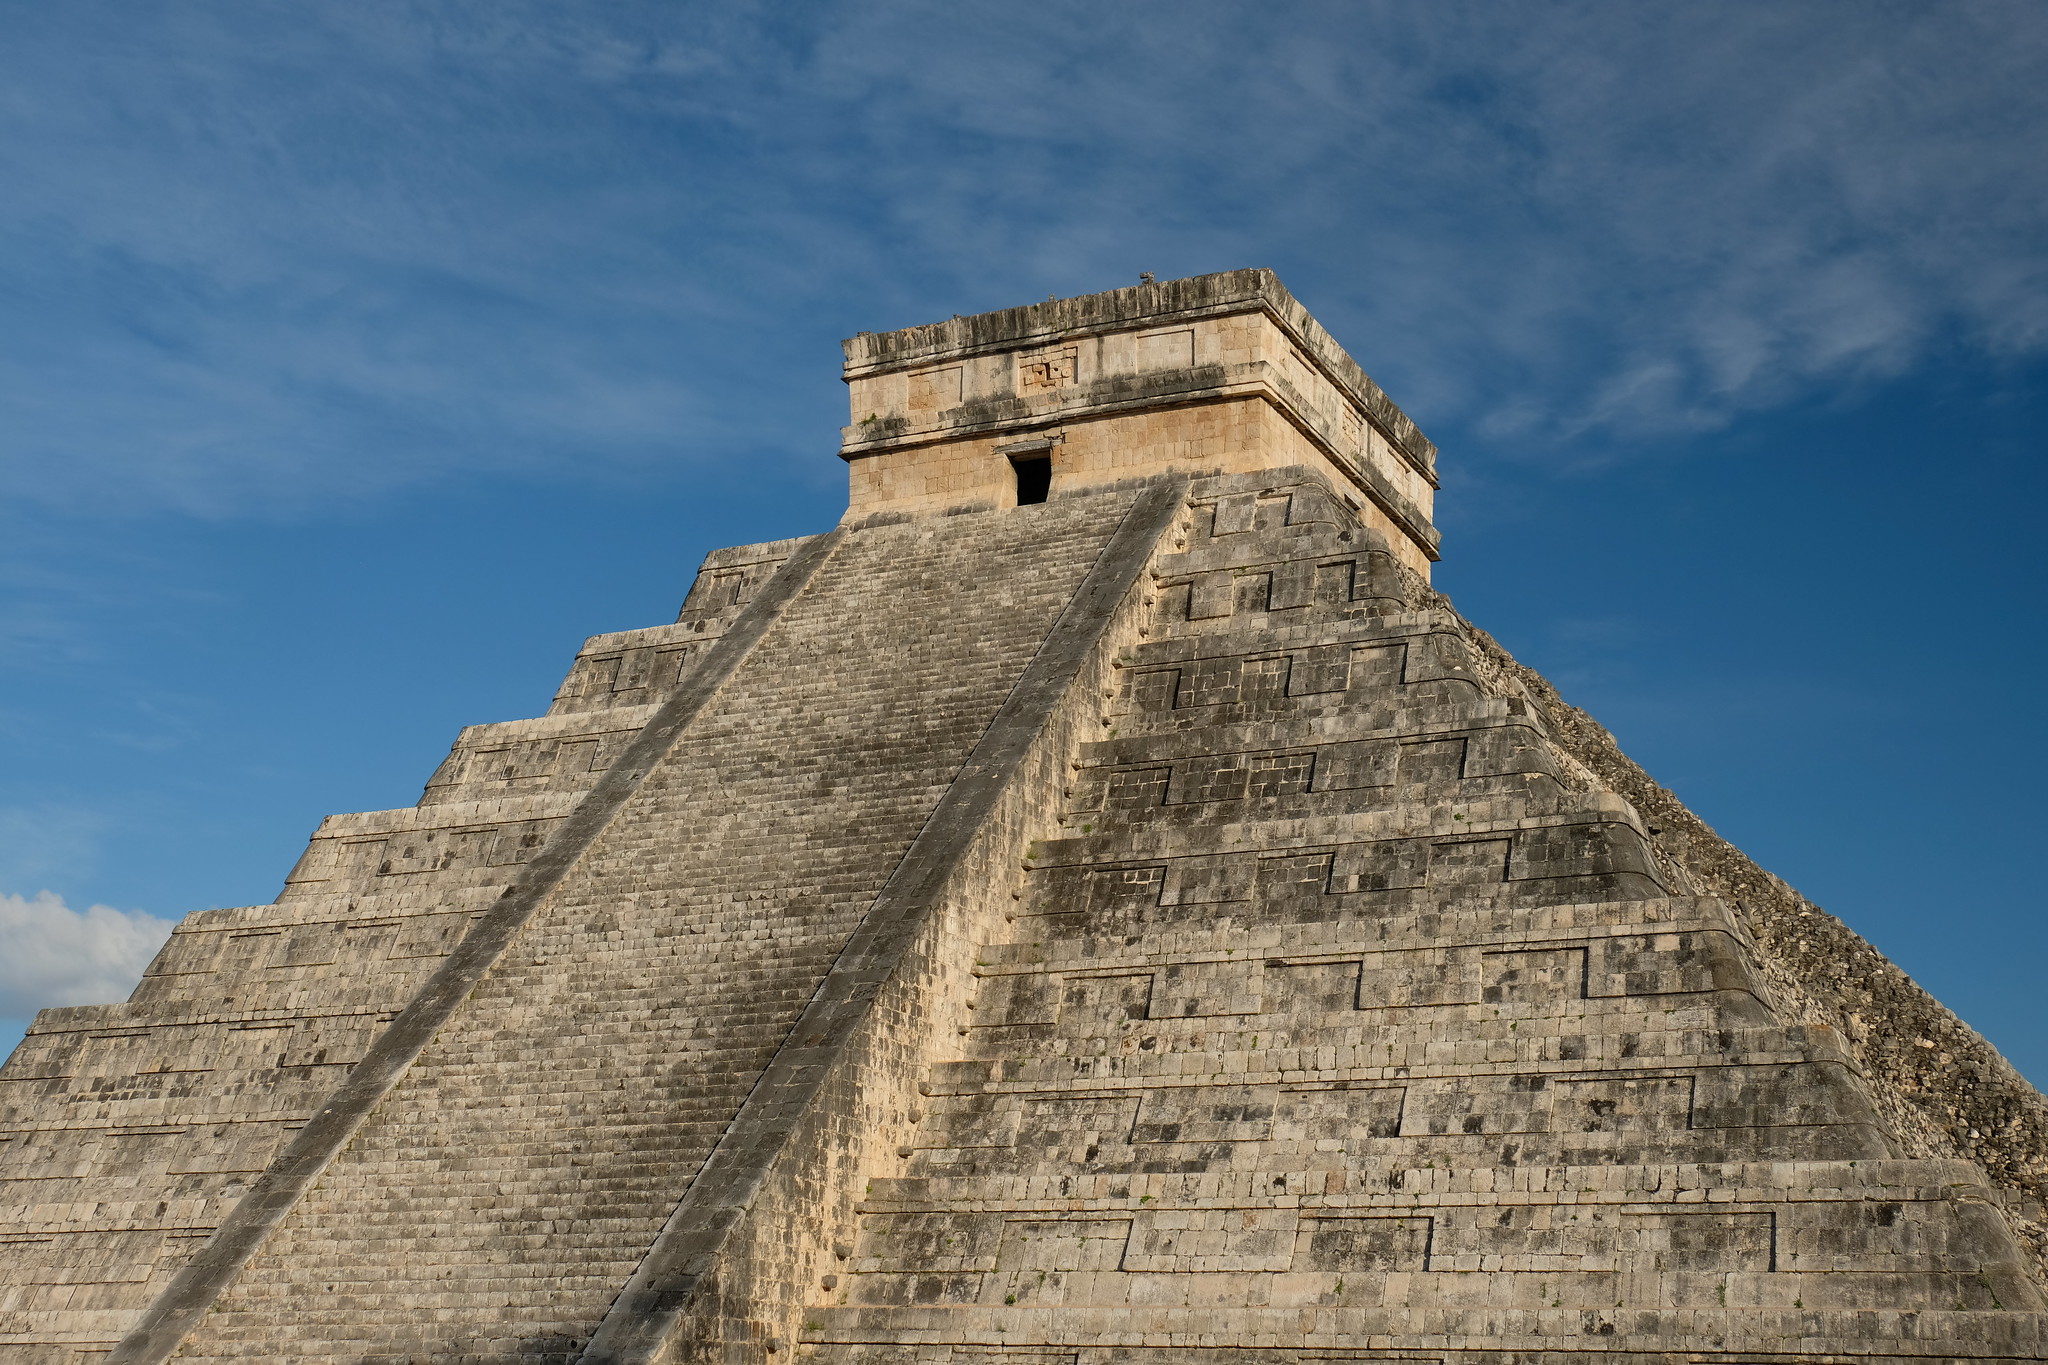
1364	1243
926	1241
1086	1000
1234	515
1209	879
1206	1113
1026	998
1433	760
1137	789
1166	350
1064	1244
1189	990
1205	1241
1378	666
1363	763
1218	777
1311	987
1532	975
1622	1104
1382	865
1468	862
1345	1114
1155	689
1711	1240
1287	875
1077	1126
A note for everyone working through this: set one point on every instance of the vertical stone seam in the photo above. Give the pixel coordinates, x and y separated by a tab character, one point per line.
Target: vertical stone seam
242	1233
644	1318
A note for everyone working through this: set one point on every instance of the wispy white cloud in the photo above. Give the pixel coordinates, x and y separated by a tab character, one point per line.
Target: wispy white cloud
266	260
51	954
1599	216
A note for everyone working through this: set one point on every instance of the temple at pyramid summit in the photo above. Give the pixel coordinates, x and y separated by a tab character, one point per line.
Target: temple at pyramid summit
1095	905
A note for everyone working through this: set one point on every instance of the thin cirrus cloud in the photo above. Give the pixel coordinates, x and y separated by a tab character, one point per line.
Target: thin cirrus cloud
269	259
1640	219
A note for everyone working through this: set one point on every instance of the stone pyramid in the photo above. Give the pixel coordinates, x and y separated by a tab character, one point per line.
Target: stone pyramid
1096	906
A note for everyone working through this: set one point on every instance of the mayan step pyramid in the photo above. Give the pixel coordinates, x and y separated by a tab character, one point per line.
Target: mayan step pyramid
1096	906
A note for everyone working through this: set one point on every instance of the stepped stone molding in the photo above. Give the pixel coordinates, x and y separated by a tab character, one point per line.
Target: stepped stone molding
239	1237
562	753
627	668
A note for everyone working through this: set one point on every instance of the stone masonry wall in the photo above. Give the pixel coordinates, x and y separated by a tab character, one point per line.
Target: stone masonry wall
936	409
1227	436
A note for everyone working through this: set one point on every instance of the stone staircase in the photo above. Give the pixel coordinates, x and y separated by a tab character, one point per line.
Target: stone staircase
493	1206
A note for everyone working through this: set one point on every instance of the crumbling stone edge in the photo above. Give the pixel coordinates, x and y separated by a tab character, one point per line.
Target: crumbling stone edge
189	1296
720	1283
1942	1089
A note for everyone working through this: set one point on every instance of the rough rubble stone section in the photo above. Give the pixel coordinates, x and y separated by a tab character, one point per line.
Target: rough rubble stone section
1348	1015
495	1203
1944	1091
128	1132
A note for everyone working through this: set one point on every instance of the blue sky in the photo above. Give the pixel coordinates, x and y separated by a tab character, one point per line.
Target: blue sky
361	359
